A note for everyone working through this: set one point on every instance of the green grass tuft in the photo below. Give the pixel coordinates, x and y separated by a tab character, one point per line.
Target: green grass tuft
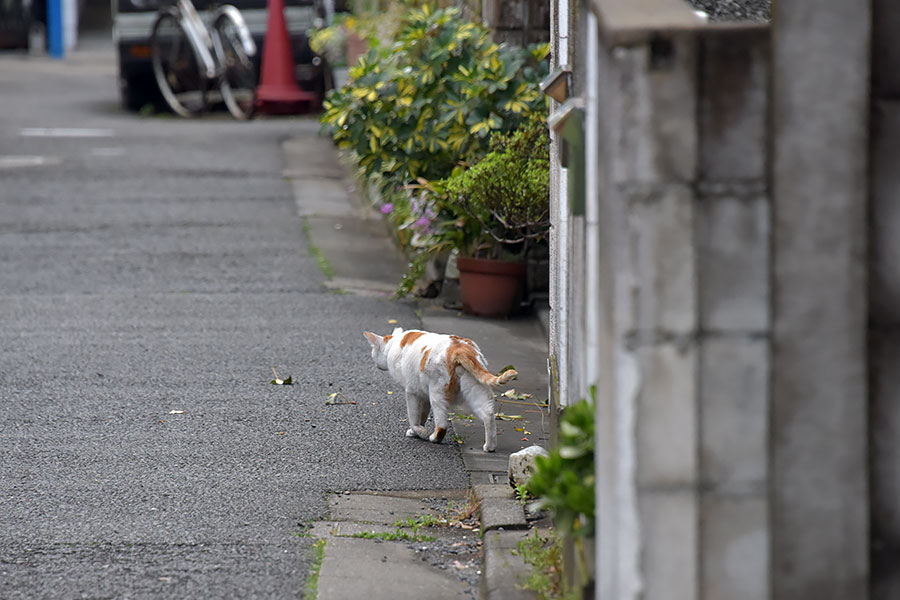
316	252
312	582
393	536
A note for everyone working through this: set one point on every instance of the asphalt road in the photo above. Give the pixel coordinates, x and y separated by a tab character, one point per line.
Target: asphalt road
152	271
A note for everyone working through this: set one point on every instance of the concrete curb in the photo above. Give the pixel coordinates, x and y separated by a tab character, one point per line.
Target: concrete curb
504	525
498	508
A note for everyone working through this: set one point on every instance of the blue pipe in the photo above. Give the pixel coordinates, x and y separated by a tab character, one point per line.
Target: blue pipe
55	28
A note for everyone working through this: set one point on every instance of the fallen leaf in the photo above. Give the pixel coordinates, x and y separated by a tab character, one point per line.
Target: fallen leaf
392	321
513	395
519	428
337	398
176	412
524	439
279	381
390	392
504	417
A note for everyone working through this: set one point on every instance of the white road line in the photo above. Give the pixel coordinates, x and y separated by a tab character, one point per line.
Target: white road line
67	132
108	151
20	161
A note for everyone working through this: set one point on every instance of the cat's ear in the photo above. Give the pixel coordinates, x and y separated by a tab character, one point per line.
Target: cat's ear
375	340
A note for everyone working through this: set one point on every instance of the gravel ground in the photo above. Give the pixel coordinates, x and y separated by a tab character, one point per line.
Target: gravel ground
457	549
736	10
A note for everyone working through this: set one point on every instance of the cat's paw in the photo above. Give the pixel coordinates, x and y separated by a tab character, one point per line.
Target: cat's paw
438	435
488	448
417	431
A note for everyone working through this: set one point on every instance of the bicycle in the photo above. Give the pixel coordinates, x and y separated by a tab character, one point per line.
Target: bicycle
192	59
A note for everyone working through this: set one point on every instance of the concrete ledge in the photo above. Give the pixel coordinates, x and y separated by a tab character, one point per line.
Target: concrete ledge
631	22
503	570
493	490
626	22
499	510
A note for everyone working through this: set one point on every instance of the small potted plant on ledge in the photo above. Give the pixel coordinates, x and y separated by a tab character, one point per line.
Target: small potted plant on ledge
503	203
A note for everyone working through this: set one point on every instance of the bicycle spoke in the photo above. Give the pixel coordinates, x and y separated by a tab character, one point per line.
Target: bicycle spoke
238	83
176	67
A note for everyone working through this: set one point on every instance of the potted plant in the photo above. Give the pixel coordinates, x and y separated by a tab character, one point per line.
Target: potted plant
503	208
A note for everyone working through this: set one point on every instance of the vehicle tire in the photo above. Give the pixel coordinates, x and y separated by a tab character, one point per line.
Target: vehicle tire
137	92
176	68
238	80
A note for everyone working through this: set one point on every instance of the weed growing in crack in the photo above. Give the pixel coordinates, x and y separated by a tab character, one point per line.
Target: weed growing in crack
312	582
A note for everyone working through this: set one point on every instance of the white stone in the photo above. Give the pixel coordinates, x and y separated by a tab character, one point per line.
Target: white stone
521	464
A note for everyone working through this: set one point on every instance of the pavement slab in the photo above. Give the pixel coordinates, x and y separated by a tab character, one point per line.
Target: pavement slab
435	562
504	569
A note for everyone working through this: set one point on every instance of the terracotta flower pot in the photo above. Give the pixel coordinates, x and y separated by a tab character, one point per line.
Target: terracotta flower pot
489	288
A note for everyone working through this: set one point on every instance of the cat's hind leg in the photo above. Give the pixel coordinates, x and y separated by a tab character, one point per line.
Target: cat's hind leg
482	404
439	405
416	413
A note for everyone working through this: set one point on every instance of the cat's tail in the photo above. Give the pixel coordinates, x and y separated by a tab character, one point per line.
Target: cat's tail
466	358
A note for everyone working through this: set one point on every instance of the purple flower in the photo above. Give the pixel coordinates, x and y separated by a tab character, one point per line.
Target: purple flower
387	208
423	222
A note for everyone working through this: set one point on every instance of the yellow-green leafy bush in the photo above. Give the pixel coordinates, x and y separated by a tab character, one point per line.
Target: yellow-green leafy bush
429	101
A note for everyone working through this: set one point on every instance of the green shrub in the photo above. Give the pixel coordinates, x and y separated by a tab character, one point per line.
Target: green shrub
419	107
507	192
563	482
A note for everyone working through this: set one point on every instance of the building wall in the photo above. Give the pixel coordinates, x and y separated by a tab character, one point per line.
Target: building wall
884	302
819	388
725	234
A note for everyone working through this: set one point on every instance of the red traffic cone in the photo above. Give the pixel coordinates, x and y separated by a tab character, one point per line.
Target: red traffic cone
278	92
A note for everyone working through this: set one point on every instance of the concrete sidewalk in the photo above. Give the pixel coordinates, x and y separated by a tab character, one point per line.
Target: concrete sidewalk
358	253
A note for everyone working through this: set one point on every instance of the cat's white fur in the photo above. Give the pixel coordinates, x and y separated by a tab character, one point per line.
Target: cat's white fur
437	371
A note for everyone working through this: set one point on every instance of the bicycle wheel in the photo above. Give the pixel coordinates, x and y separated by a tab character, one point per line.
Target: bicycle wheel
176	68
238	79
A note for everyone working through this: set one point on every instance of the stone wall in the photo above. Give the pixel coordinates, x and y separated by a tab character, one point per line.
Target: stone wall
726	203
884	302
733	229
820	508
685	221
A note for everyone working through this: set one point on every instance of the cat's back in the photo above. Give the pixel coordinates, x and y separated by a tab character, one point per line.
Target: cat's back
418	357
426	357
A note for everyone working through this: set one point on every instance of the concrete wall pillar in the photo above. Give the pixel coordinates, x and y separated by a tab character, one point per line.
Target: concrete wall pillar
732	235
648	346
730	191
820	517
884	302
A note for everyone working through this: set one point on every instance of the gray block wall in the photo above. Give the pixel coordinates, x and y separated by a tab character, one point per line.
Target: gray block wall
884	302
732	235
686	223
819	384
748	438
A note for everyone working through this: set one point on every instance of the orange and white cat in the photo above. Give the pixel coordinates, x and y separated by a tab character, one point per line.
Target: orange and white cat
437	371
